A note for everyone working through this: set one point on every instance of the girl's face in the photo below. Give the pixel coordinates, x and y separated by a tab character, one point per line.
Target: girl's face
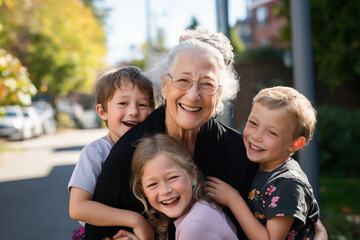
190	109
167	186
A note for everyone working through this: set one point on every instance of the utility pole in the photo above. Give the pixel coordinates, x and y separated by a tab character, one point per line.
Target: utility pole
222	23
148	33
304	80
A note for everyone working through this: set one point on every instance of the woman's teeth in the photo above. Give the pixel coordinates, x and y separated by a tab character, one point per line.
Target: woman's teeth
190	108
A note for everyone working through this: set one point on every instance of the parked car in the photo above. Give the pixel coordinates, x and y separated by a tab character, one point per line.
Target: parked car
47	115
33	118
14	126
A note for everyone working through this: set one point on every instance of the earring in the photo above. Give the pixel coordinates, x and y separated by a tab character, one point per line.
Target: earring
193	184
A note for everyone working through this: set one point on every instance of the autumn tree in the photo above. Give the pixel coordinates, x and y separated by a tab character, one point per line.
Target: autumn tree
15	85
60	42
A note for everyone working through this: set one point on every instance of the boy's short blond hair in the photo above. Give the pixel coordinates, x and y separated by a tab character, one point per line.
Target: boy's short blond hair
300	108
108	80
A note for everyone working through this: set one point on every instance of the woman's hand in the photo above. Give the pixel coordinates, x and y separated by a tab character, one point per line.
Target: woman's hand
320	231
220	191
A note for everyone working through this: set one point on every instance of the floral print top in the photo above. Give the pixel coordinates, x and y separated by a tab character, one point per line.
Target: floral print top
285	191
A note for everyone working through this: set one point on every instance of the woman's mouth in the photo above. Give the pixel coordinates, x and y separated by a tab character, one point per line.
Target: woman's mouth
190	109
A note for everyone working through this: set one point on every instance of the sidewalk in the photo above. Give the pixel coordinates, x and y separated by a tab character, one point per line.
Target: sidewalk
33	185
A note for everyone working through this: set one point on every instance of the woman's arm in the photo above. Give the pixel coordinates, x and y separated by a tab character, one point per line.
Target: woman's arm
82	208
320	231
276	228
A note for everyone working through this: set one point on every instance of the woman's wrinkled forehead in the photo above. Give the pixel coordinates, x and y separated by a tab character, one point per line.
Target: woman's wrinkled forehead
195	62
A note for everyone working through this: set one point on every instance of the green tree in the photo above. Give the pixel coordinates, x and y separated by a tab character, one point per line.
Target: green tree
236	42
194	23
60	50
335	38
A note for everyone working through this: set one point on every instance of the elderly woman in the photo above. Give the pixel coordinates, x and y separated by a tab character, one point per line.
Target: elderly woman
196	77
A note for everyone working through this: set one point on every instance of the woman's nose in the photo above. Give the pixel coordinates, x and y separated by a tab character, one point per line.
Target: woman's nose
194	91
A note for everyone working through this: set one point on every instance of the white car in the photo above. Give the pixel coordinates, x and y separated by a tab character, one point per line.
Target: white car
13	125
47	115
34	120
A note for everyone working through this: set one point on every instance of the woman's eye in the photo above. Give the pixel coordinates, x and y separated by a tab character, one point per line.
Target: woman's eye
183	80
207	84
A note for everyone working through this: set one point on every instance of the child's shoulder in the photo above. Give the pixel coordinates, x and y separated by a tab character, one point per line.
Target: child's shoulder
103	143
290	170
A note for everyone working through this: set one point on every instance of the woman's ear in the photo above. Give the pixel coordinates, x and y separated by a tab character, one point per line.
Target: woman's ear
297	144
164	88
101	112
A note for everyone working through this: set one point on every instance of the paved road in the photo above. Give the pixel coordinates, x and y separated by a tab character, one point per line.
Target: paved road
33	185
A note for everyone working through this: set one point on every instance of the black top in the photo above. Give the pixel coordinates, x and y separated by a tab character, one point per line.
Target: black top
219	152
285	191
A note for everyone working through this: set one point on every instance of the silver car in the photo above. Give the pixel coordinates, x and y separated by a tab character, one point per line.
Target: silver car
14	126
33	118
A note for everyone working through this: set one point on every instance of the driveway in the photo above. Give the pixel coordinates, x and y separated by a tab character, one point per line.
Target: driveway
34	199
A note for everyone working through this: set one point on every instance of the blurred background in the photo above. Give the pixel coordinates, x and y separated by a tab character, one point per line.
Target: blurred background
50	50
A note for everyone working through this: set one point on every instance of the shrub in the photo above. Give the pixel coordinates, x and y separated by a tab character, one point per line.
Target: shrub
338	133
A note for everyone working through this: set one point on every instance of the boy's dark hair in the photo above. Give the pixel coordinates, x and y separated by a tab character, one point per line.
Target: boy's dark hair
108	80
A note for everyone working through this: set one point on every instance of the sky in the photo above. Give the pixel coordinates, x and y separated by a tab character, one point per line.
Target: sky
126	24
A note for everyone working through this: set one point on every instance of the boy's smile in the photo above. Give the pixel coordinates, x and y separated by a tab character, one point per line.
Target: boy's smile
128	107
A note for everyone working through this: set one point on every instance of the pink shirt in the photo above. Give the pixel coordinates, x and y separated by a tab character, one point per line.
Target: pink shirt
204	222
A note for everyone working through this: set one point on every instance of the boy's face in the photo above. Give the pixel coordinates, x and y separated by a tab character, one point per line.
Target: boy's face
128	107
268	136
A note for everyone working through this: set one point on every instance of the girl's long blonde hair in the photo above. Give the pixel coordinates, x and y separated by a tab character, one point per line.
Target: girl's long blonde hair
148	149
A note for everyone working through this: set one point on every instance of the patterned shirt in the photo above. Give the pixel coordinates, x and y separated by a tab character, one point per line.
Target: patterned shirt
285	191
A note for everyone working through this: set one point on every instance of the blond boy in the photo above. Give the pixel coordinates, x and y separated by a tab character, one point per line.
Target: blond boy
281	203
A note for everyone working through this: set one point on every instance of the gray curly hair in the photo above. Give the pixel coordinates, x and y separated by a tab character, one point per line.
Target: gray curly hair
212	43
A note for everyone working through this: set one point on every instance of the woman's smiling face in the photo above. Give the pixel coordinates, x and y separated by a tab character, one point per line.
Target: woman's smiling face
167	186
190	109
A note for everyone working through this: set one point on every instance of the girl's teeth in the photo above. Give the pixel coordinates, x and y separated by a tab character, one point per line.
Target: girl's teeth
169	201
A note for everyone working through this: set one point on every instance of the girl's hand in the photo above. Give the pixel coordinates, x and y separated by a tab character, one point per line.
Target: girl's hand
220	191
125	235
143	229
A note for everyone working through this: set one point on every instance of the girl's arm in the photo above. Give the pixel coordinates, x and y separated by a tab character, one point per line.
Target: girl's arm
82	208
276	228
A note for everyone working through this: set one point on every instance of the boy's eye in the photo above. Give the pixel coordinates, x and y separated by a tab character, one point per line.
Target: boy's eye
252	123
272	133
123	103
143	105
